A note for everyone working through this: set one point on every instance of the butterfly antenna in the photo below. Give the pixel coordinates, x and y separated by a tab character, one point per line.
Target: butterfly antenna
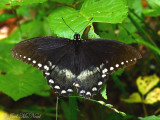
67	25
86	25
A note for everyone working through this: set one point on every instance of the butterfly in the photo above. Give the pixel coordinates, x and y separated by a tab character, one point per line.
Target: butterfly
78	64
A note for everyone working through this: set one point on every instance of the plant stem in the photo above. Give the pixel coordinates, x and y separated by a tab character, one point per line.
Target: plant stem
57	109
144	107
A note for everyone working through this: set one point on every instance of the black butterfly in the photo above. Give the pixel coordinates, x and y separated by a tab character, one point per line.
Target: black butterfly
81	64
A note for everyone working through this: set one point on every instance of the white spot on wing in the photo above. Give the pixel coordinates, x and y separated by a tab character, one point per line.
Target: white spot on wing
51	81
63	92
94	89
34	61
122	63
56	87
29	59
46	67
82	91
111	68
104	71
39	65
103	75
24	57
100	83
46	73
70	90
76	84
50	63
117	65
88	93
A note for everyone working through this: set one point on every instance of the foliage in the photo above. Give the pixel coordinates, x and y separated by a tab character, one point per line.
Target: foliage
112	19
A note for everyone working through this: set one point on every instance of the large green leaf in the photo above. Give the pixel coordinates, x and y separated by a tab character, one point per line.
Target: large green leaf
73	18
19	79
109	11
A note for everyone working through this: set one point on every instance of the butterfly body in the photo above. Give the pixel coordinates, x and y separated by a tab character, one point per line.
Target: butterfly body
81	64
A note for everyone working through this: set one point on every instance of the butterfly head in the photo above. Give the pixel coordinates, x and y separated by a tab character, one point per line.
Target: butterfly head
77	37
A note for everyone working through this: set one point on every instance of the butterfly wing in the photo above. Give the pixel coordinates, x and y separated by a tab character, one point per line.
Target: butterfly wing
39	51
101	57
45	53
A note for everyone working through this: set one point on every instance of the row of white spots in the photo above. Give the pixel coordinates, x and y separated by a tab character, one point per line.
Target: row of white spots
104	71
34	61
58	87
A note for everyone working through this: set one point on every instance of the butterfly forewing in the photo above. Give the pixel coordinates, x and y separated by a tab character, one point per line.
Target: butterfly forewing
39	51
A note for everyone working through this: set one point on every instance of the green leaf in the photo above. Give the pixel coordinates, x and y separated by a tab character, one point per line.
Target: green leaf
104	92
106	30
19	2
5	16
136	7
153	117
124	37
24	11
146	83
109	11
67	2
152	12
133	98
111	107
26	30
155	5
92	34
20	80
72	18
119	72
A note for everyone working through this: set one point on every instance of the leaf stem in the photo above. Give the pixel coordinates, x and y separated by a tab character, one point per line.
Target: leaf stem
144	107
57	109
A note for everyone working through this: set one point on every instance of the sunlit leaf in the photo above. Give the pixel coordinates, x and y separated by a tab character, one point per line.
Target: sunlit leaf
146	83
153	96
92	34
155	5
133	98
104	92
108	11
6	116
